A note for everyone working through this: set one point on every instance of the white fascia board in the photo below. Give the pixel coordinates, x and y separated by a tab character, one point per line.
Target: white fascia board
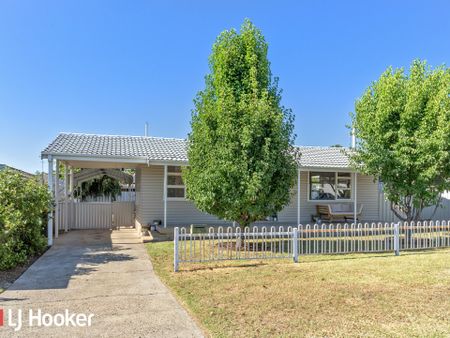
112	159
145	160
169	162
96	158
326	169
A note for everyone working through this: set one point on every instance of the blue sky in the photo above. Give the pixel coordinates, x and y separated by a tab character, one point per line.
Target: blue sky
109	66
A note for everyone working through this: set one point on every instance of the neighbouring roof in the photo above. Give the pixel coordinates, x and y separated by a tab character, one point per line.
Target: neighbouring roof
24	173
168	149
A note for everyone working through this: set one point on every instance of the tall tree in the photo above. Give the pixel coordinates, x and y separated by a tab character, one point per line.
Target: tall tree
402	123
241	166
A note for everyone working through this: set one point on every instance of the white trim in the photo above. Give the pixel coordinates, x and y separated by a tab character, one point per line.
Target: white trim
308	199
298	196
165	196
355	197
50	213
176	186
176	163
328	169
71	181
99	158
57	211
115	159
66	197
147	161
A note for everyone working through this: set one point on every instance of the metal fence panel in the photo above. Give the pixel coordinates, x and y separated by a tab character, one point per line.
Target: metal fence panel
287	242
234	244
345	238
95	215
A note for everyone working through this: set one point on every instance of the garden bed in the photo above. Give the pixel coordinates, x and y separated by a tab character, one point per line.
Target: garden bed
8	277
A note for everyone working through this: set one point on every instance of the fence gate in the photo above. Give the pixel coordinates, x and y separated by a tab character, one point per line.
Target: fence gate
95	215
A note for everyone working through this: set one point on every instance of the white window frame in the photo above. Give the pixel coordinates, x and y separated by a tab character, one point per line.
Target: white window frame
175	186
336	200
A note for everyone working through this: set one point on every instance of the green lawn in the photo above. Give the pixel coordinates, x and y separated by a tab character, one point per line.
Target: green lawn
369	295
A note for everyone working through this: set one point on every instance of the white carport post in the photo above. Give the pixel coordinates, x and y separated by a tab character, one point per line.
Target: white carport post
50	188
71	181
57	199
66	197
355	206
298	197
165	196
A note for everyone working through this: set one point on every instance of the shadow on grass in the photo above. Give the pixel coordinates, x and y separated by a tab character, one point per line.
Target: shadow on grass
306	259
364	255
210	267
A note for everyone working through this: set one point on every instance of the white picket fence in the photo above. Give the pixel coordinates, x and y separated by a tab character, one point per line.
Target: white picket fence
95	215
291	242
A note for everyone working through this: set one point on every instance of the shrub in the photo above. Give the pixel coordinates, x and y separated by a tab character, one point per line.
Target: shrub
23	206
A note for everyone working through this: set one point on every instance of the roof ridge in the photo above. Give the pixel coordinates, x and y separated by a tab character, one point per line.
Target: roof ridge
323	147
182	139
134	136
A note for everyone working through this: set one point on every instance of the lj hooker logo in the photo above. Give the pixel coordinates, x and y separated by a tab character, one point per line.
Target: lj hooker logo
17	319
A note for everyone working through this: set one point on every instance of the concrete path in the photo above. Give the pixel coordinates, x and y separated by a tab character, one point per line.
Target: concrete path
104	273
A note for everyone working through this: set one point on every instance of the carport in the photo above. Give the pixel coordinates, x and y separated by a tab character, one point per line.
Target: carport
99	155
70	213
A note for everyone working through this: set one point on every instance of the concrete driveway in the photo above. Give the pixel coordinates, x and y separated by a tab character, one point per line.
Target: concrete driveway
104	273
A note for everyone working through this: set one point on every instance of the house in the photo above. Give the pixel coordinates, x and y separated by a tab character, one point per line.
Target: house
21	172
324	174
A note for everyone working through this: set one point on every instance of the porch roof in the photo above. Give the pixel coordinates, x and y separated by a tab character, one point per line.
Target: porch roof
88	174
143	149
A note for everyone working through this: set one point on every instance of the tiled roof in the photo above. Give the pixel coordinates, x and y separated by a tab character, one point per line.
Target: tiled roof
324	157
152	148
168	149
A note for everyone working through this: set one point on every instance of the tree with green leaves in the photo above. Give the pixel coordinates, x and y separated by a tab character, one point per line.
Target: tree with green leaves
241	165
24	204
402	124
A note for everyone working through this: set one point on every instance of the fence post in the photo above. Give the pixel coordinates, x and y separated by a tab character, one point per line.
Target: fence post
176	233
295	245
396	239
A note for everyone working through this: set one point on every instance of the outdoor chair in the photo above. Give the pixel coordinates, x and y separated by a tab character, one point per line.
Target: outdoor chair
338	211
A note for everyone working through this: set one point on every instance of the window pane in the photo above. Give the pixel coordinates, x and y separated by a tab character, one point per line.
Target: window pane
174	180
174	169
175	192
344	194
315	179
344	175
344	183
322	186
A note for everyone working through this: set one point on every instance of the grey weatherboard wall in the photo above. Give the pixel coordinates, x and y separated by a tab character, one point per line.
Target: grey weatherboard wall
150	204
